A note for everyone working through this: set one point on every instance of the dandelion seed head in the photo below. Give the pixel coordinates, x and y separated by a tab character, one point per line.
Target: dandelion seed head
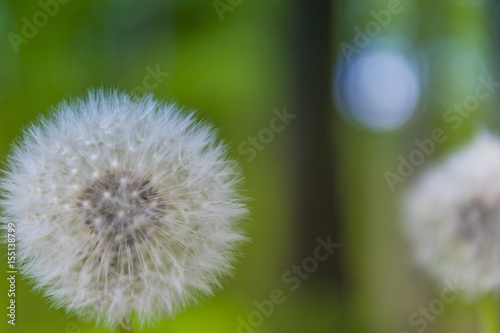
123	206
453	216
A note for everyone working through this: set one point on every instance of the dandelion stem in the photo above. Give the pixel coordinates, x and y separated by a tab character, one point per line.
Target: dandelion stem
488	314
125	327
122	329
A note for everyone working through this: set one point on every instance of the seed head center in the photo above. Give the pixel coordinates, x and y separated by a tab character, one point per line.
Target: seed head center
480	221
121	206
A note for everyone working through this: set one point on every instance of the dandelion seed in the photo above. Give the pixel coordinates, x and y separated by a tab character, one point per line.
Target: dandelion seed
454	216
111	223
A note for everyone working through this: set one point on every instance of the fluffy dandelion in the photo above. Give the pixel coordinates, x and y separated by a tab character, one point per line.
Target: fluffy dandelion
454	216
124	208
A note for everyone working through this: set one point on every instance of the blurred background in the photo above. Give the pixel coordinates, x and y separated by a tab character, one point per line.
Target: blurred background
322	102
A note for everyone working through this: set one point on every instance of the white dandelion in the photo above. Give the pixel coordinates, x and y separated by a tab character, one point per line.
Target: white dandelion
454	217
124	208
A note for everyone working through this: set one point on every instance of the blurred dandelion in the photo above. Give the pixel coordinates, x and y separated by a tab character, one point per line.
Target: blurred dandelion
124	208
453	216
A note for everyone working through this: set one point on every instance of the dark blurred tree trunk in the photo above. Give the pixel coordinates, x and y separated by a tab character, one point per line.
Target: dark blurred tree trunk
318	209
